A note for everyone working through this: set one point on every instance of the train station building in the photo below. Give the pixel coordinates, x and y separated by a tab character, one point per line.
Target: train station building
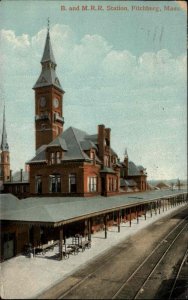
75	184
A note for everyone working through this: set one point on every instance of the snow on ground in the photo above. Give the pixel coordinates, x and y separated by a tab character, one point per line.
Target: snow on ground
23	277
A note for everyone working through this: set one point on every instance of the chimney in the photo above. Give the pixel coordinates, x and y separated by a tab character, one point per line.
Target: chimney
21	175
107	135
101	141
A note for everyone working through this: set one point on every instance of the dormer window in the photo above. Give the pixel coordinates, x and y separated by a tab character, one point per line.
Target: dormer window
92	154
55	157
52	158
106	161
114	159
58	157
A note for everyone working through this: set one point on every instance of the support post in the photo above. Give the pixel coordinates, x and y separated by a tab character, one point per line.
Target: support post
163	204
130	216
119	216
155	208
89	229
145	211
105	227
151	209
159	206
61	243
137	217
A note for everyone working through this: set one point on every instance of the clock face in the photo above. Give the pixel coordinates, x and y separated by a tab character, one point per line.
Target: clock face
42	101
55	102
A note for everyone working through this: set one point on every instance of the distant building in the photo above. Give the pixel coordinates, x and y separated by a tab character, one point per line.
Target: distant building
133	178
18	184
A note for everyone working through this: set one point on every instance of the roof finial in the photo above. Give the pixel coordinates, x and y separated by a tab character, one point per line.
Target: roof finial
48	24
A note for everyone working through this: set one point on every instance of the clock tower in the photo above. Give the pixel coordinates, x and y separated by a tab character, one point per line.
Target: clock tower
48	99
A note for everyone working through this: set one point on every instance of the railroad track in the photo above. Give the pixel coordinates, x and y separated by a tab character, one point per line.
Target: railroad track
132	287
181	279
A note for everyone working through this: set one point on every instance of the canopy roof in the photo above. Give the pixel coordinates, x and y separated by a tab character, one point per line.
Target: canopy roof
60	210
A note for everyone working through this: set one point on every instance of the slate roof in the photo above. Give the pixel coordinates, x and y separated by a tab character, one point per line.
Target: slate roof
73	142
127	183
87	145
113	152
134	170
107	170
66	209
40	156
58	141
48	53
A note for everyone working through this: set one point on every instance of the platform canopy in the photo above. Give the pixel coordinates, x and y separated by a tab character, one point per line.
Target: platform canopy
56	211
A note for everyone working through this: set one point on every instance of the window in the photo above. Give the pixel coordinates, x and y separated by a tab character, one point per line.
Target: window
55	158
38	184
55	183
114	185
92	184
106	161
110	184
52	158
58	157
92	155
114	161
72	183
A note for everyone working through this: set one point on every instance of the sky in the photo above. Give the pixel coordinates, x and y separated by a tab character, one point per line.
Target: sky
124	68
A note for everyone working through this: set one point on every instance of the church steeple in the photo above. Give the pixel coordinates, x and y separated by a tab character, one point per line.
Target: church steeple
48	99
4	143
4	154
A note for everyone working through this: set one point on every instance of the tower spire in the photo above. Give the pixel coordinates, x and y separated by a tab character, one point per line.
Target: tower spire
48	55
48	74
125	153
48	24
4	143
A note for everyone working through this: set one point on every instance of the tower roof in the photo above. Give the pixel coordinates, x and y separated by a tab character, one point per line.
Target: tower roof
48	53
125	153
48	75
4	143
